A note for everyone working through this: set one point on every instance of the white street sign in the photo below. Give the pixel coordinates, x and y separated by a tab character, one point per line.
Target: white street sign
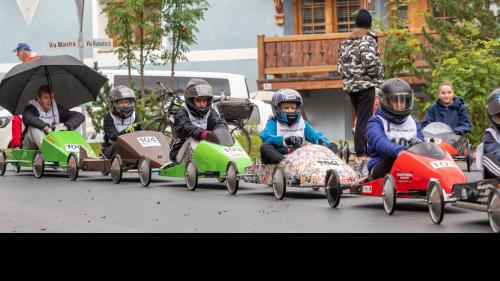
87	44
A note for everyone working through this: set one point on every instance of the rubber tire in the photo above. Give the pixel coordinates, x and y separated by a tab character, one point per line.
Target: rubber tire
389	194
42	168
494	214
3	164
191	175
333	189
279	179
435	201
116	176
72	175
144	169
232	182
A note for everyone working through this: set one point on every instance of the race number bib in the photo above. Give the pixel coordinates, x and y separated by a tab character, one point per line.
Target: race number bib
148	141
233	152
72	148
443	164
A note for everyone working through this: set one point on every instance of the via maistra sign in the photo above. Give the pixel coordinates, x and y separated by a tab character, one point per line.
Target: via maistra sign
87	44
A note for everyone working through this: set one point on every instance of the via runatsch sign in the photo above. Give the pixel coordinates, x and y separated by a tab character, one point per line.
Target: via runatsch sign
87	44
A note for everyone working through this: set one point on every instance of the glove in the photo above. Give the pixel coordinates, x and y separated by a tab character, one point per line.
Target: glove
132	128
293	141
205	134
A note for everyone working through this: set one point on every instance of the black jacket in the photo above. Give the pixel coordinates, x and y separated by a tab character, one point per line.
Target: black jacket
72	119
184	129
490	145
110	131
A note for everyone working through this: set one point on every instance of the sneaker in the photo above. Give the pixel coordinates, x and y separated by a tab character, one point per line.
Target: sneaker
358	162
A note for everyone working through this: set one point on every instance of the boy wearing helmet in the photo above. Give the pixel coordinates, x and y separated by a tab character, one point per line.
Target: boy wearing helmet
391	130
121	119
196	119
491	138
286	130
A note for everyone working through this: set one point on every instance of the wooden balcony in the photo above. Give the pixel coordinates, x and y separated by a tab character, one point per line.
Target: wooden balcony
308	62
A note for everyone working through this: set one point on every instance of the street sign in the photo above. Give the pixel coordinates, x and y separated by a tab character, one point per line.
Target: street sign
87	44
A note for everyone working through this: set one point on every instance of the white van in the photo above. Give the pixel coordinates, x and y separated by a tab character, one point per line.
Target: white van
231	85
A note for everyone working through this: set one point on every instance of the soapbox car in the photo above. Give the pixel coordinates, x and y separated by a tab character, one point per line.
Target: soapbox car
483	196
457	146
424	171
311	166
134	152
218	156
60	150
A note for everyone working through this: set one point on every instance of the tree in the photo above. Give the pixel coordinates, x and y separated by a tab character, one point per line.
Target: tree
464	50
120	27
137	27
180	24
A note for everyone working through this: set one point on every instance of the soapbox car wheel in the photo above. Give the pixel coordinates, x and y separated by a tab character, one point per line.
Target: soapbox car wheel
191	176
494	211
333	189
105	173
72	168
38	165
389	194
144	170
346	152
232	182
116	169
3	163
279	182
17	168
435	199
469	159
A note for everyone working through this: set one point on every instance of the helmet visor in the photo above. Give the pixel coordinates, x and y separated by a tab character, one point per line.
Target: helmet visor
203	91
398	103
494	106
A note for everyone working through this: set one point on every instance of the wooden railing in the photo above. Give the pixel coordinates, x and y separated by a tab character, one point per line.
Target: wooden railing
306	57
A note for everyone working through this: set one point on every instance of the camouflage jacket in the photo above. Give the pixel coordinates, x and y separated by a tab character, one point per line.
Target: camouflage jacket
359	63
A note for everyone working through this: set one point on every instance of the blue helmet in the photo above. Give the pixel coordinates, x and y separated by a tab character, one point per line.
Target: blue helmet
286	96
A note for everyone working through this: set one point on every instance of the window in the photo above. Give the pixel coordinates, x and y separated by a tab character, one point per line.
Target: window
345	9
313	17
325	16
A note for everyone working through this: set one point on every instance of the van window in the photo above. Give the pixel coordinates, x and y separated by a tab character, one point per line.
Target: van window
219	84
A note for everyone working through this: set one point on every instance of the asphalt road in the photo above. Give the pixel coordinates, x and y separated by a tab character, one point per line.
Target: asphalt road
95	204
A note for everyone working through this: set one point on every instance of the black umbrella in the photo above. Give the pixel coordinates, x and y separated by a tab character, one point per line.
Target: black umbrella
73	82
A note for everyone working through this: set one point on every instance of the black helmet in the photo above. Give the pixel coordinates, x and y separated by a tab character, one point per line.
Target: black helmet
396	100
119	93
198	88
493	106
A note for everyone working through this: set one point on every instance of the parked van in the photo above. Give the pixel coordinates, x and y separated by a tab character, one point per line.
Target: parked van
228	84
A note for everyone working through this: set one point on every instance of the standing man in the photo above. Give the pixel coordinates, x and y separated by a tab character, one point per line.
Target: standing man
362	72
24	54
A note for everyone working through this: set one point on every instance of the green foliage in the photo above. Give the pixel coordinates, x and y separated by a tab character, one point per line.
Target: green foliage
464	51
180	24
400	54
100	107
137	26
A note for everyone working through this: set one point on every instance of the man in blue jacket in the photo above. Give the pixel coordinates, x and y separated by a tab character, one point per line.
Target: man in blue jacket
391	130
286	130
450	110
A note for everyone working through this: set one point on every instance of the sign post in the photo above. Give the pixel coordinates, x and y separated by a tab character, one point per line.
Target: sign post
80	7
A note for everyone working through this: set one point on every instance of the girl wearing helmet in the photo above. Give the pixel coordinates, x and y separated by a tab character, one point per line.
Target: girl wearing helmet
490	148
121	119
391	130
196	119
286	130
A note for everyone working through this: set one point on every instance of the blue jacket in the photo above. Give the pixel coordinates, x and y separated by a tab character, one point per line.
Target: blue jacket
269	134
455	115
379	145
